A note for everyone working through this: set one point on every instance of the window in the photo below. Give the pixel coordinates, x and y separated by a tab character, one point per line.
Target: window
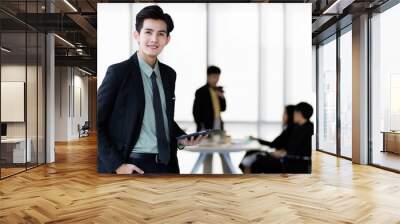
236	54
327	96
385	83
346	94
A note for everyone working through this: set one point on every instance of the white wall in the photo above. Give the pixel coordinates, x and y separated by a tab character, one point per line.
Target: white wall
13	100
16	73
61	103
67	115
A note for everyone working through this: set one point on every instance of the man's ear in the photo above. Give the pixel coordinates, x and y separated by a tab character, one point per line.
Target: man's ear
168	39
136	35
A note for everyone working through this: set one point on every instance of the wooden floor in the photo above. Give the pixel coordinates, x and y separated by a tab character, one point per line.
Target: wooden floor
5	172
70	191
387	159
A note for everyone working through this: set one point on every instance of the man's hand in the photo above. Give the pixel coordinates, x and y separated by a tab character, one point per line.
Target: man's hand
253	138
246	170
128	169
220	93
192	140
280	153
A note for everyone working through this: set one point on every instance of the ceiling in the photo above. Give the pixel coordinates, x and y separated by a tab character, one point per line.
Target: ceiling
76	22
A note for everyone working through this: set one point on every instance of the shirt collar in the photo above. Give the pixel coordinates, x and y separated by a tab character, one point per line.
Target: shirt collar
147	69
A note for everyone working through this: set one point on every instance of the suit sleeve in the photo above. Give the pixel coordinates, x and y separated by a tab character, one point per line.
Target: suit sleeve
280	141
264	142
177	130
297	144
108	156
197	109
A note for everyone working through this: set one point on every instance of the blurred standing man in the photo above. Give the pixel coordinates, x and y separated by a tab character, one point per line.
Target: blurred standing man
208	104
135	105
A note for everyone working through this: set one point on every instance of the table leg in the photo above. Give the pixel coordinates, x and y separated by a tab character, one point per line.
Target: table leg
200	160
225	166
227	159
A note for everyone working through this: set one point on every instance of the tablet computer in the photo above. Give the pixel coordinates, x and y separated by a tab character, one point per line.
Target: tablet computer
195	134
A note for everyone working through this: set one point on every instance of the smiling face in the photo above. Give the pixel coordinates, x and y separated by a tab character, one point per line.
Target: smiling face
152	37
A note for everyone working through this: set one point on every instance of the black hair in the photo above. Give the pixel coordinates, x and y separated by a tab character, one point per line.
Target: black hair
153	12
305	109
290	115
213	70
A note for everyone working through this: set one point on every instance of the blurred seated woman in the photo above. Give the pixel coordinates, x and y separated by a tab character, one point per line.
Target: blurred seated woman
252	160
295	155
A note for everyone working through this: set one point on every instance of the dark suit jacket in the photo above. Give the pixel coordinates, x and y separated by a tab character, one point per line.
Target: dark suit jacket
300	144
281	141
120	110
203	110
300	140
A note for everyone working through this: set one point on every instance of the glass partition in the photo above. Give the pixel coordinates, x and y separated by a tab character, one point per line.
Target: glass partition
13	109
22	91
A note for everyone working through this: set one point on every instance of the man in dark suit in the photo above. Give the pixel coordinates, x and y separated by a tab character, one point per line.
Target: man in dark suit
135	105
208	104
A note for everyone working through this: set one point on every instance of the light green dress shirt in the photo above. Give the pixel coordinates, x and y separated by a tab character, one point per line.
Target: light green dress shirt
147	142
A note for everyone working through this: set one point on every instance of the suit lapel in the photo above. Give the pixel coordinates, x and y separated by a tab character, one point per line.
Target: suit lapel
134	91
137	81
